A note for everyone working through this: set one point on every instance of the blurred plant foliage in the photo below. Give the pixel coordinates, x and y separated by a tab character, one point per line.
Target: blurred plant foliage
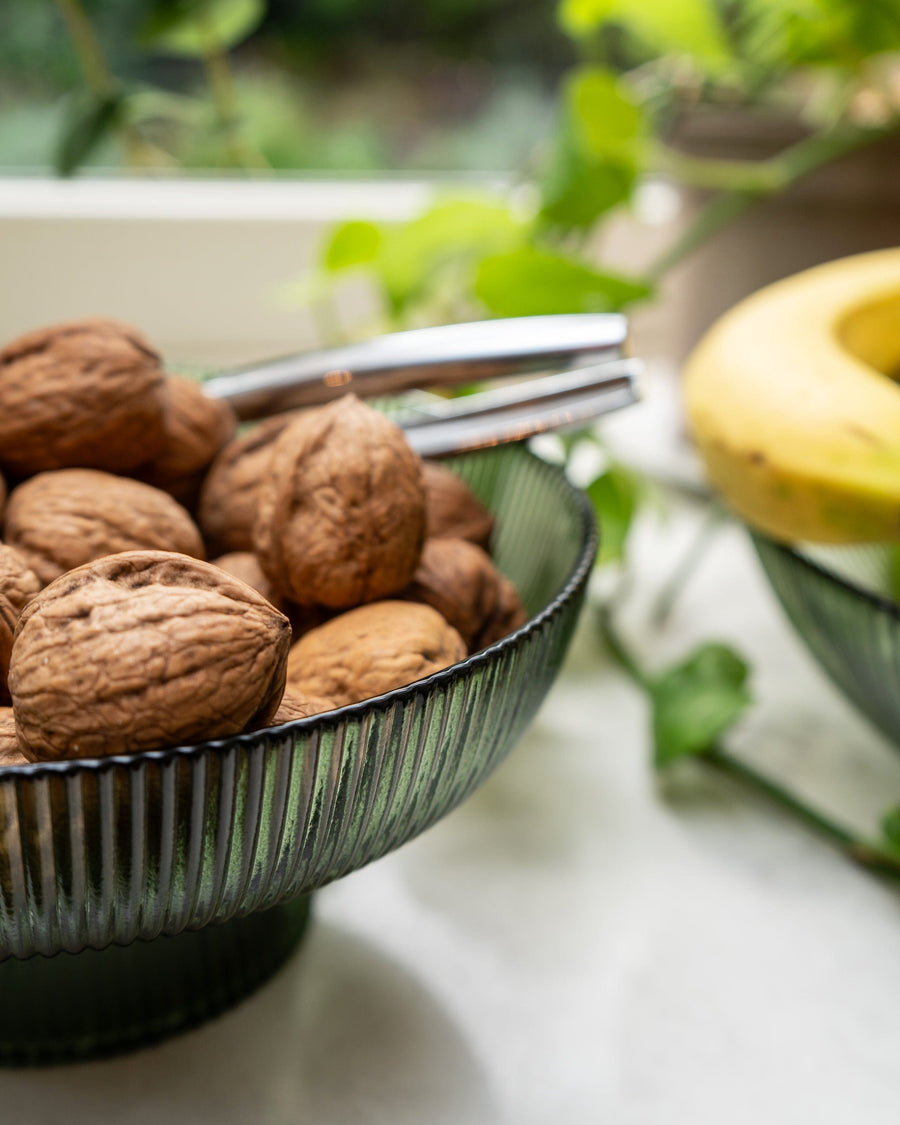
640	63
829	64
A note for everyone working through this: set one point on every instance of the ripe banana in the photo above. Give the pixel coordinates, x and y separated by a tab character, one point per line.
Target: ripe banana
791	399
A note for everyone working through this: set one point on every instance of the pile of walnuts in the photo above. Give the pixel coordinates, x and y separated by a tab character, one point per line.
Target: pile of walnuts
342	565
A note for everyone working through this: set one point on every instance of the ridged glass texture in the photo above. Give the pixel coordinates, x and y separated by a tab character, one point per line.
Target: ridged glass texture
101	852
838	599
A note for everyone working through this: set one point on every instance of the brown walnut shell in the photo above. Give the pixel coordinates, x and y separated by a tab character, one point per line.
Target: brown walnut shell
371	650
88	393
296	704
196	428
229	495
454	511
245	565
342	508
65	519
458	579
10	754
18	585
509	615
144	650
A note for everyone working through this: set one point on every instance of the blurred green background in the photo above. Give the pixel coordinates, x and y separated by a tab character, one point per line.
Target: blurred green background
447	85
324	84
578	104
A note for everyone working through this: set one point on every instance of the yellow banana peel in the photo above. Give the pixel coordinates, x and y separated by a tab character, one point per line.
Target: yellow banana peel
794	407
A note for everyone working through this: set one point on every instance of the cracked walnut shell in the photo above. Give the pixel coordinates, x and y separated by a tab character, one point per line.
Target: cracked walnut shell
84	394
342	508
371	650
143	650
65	519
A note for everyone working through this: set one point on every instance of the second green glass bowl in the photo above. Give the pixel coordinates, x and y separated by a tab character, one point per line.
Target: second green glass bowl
840	603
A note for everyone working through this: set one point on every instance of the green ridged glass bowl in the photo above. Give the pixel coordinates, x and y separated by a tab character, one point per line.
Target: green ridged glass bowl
839	601
169	884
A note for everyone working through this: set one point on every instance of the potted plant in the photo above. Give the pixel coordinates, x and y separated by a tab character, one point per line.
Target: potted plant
778	121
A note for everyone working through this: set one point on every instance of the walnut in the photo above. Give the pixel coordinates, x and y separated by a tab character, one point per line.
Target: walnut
296	704
143	650
245	565
371	650
196	428
18	585
454	511
342	508
88	393
228	498
459	580
10	754
509	615
64	519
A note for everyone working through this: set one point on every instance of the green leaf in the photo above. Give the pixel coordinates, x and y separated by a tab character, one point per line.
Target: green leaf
777	35
583	17
696	702
351	244
667	27
608	124
88	120
528	281
415	255
576	190
615	495
200	27
890	828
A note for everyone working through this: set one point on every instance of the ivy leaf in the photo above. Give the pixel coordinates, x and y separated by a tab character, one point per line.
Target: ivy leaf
696	702
354	243
576	190
608	124
615	494
88	121
688	27
200	27
528	281
413	257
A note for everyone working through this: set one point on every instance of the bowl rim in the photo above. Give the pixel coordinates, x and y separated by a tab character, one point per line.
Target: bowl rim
577	576
877	601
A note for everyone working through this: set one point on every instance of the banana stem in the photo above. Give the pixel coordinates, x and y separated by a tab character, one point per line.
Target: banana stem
856	848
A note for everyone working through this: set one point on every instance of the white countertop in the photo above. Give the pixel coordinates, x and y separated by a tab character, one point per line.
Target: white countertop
574	945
